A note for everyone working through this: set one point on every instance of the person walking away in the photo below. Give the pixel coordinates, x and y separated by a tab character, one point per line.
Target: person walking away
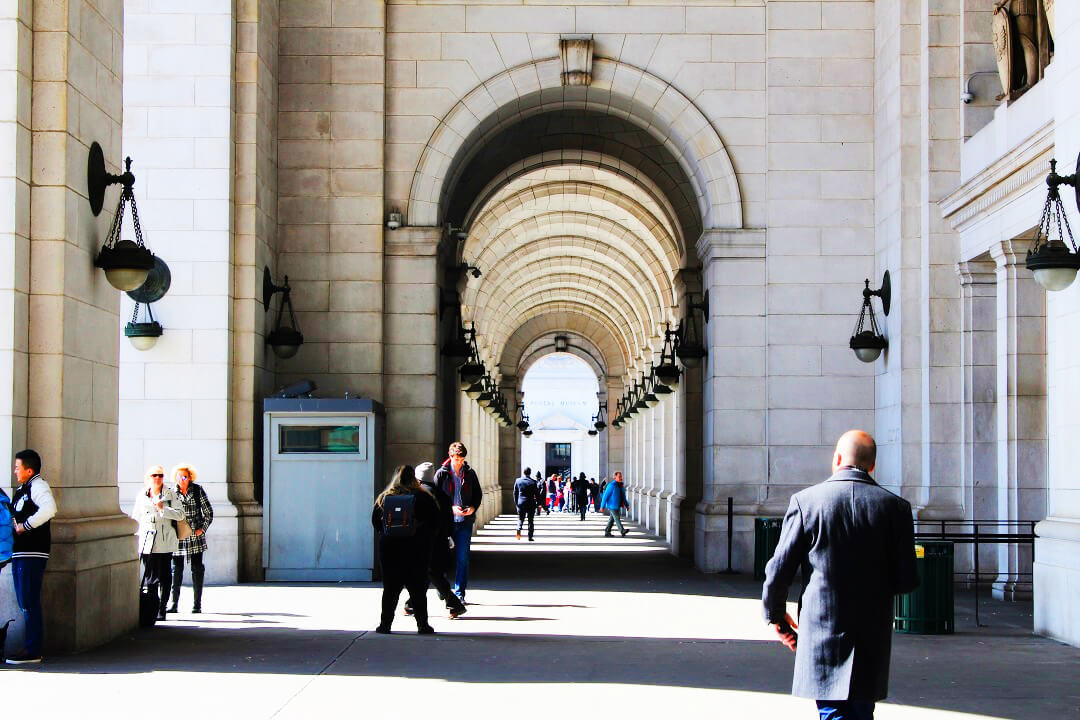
199	514
33	508
156	510
855	543
405	517
7	547
541	493
441	543
580	486
613	502
458	480
525	498
594	495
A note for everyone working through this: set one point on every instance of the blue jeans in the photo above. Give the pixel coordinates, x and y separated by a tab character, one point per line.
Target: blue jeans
462	534
845	710
28	574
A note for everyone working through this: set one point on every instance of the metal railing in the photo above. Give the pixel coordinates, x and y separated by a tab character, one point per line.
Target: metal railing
978	533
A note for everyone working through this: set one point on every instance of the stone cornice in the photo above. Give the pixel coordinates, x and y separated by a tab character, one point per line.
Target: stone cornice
1015	172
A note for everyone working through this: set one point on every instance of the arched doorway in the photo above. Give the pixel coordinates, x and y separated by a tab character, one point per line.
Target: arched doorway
561	395
566	215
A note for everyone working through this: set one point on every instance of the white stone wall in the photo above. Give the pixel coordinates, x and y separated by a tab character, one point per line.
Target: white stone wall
178	96
1057	552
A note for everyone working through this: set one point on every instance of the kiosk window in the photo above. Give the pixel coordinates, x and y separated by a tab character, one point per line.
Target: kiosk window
319	439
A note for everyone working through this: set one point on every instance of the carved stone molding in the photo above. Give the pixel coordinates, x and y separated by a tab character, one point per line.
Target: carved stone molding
577	59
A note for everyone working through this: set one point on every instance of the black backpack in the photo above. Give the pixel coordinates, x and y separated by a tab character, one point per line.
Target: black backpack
399	515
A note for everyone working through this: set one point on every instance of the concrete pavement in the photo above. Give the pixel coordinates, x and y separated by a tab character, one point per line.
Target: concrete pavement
571	624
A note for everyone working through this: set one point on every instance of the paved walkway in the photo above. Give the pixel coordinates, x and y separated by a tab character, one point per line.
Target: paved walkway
573	624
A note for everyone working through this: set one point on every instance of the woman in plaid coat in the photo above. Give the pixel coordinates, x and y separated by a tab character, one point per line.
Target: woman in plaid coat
199	515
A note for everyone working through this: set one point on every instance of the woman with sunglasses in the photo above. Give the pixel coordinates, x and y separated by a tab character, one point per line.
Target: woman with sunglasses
199	515
156	509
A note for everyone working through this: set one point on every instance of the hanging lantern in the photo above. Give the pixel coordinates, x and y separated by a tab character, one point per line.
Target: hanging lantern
868	342
667	372
126	263
284	340
144	335
689	345
1054	262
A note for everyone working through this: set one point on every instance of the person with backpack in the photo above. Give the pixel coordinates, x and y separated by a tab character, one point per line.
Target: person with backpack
33	508
458	480
441	544
405	517
525	498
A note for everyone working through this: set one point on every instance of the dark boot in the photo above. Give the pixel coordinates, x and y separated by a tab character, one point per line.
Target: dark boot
177	581
196	586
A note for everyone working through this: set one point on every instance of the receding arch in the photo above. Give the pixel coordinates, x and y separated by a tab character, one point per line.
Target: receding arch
618	89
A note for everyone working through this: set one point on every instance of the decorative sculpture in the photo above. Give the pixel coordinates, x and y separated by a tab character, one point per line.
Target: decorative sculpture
1048	10
577	57
1016	43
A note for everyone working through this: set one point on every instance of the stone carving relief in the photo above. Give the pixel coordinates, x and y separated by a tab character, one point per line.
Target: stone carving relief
1021	42
577	57
1048	8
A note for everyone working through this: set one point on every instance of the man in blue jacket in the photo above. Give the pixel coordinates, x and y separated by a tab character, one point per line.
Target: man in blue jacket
613	502
525	498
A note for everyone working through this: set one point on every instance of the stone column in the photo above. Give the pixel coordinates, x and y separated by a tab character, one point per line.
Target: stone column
656	480
978	359
735	452
1021	407
89	594
667	488
410	349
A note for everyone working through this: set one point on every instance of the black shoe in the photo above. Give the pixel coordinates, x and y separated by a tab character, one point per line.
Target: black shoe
194	611
383	630
161	615
173	608
607	534
623	532
425	630
24	659
530	540
458	611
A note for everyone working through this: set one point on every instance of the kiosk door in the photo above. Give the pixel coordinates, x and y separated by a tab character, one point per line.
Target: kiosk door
319	498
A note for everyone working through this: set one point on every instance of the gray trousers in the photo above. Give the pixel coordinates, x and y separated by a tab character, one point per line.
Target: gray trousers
614	518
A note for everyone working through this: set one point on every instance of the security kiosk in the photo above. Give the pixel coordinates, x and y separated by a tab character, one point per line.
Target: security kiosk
322	463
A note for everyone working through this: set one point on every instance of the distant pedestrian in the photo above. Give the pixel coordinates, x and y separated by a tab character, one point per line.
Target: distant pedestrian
458	480
525	498
854	541
156	510
542	494
580	486
33	508
613	502
441	543
405	516
199	514
594	495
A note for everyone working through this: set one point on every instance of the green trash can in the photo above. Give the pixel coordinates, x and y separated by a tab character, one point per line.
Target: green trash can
766	536
928	609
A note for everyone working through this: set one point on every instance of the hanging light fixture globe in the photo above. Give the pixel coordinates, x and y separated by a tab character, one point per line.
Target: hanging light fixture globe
1053	261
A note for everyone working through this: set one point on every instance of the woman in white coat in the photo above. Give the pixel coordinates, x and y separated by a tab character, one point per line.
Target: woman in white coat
157	509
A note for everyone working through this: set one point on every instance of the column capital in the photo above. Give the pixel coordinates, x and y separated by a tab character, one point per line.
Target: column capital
1008	253
976	272
719	244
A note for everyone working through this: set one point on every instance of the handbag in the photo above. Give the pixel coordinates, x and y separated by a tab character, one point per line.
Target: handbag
183	529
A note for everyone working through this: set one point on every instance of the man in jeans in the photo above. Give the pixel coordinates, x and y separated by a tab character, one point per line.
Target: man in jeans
459	482
33	507
613	502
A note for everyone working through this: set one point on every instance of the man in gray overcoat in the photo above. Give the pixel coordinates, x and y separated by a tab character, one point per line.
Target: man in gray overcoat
855	541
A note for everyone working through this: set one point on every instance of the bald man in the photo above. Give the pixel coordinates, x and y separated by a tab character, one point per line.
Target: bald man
856	542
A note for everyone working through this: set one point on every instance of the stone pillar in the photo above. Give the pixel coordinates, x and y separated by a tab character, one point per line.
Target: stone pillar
1021	407
978	359
735	451
667	488
656	480
410	349
89	593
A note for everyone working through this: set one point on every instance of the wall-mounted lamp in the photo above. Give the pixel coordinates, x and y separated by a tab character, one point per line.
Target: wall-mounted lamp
667	372
617	423
393	220
599	420
690	346
869	342
523	419
284	341
126	263
144	335
470	269
562	343
1052	261
967	96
